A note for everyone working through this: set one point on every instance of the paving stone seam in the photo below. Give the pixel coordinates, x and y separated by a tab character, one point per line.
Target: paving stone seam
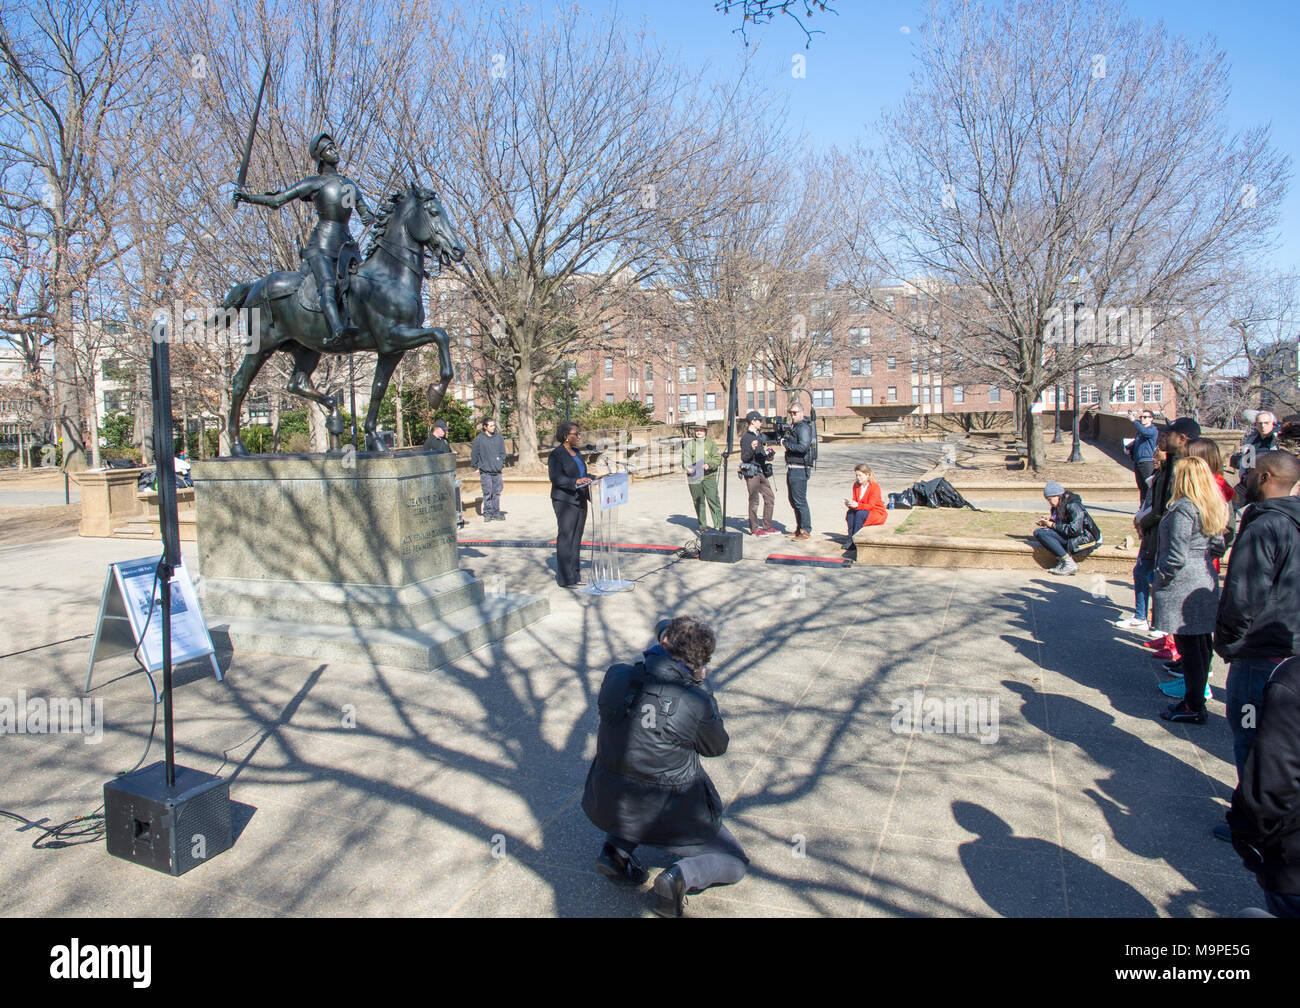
911	738
537	832
1051	757
799	700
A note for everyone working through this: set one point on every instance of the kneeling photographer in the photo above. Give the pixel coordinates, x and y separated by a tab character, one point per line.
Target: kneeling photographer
756	468
646	785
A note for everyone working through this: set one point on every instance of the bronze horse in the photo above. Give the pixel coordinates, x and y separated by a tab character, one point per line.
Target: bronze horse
385	304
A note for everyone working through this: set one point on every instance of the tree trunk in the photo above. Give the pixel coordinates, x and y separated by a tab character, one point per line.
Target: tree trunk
93	424
275	422
223	421
320	438
526	401
1030	429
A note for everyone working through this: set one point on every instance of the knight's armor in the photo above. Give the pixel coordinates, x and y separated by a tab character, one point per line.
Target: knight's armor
333	196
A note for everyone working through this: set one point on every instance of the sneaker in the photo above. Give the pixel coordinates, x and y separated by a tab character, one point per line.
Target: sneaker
1160	640
1065	567
802	536
1173	668
1175	688
1182	713
621	869
1166	654
1132	623
774	531
670	893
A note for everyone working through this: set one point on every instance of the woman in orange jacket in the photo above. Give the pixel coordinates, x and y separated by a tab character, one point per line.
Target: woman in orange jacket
866	507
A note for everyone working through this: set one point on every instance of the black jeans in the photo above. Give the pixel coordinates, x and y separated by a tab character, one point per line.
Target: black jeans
1196	652
796	482
1141	472
570	520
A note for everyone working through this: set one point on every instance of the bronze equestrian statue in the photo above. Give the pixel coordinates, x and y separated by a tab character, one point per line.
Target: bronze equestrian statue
338	306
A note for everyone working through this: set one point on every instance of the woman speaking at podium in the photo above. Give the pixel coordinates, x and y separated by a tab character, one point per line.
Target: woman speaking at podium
569	496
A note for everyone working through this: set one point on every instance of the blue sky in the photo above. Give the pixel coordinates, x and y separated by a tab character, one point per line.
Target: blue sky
862	63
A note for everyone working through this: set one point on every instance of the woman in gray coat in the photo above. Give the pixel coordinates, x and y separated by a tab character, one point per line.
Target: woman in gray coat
1186	597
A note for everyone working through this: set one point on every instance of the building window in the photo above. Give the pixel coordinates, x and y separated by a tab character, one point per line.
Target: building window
995	394
889	302
916	366
1153	392
771	399
688	403
916	394
893	393
711	401
891	363
687	374
959	393
821	369
861	336
1089	395
1124	393
860	397
925	394
609	398
860	366
609	367
649	373
649	400
823	398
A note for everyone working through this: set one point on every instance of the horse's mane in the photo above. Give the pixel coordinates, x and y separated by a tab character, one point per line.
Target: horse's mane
380	227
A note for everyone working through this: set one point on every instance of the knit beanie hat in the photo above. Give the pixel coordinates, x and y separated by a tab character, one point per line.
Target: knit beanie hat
1053	489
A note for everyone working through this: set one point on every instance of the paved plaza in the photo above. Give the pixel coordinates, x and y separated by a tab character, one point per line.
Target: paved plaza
373	791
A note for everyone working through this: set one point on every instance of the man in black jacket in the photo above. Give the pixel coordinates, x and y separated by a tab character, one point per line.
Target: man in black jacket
799	457
646	785
1265	813
1258	624
437	439
488	456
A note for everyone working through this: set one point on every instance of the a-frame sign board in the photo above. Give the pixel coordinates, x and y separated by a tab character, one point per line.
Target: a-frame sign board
130	618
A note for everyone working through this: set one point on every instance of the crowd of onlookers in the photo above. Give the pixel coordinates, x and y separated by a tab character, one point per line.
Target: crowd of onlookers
1194	599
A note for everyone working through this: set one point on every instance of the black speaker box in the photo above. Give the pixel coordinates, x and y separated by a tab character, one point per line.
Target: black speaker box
168	829
721	547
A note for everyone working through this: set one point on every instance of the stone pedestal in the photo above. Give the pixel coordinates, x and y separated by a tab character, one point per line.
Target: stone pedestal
350	558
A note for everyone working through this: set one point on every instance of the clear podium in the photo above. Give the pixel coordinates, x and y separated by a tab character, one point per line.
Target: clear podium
609	493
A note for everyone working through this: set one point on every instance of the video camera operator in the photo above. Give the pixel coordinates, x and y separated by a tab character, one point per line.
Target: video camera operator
800	454
756	467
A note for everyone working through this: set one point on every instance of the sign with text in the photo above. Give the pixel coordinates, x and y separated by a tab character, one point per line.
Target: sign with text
130	617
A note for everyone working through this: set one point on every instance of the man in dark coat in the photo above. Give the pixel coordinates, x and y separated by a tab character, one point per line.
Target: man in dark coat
1265	814
1258	624
488	456
646	785
437	439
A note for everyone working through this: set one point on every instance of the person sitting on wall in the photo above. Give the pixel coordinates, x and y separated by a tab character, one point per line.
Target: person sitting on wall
1067	529
865	504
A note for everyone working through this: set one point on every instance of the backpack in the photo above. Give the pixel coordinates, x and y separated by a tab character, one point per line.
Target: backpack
939	493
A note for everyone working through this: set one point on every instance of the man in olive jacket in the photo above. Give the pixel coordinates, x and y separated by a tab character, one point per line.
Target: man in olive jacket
646	785
701	459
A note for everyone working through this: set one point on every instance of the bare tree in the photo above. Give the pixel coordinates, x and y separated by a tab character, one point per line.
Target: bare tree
1267	322
560	145
1049	157
75	79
